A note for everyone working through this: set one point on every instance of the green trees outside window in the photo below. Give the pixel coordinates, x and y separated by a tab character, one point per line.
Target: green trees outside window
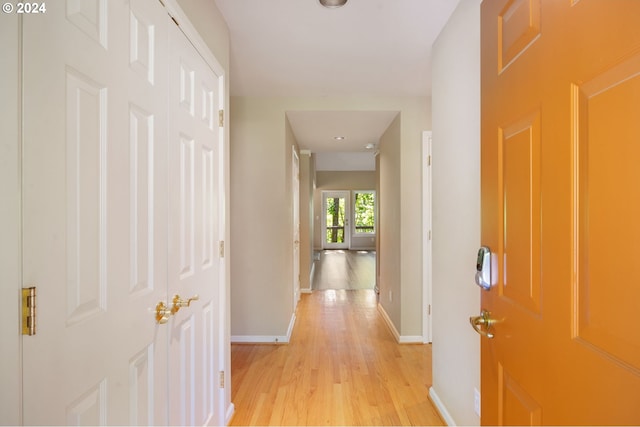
364	211
335	220
363	214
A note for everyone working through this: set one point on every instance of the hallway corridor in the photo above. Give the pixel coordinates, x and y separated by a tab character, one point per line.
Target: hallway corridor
342	367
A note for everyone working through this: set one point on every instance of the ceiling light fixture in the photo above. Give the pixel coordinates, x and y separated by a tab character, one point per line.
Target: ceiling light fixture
332	4
338	138
369	146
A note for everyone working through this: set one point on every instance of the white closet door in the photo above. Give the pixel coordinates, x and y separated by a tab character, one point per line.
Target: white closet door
94	212
193	234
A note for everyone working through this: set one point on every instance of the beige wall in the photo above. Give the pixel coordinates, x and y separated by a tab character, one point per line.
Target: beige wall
346	180
342	180
390	222
456	213
261	292
207	19
260	301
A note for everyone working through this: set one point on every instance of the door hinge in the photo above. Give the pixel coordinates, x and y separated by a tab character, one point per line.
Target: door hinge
429	309
29	311
221	118
221	248
429	160
221	379
429	235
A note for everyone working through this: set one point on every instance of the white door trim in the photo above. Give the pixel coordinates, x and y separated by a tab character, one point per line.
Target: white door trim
10	224
295	196
426	237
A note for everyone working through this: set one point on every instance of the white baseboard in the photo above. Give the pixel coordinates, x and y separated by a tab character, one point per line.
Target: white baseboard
411	339
259	339
266	339
292	323
401	339
389	323
229	414
446	416
306	290
312	274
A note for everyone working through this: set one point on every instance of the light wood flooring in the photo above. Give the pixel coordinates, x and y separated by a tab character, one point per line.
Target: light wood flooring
342	367
344	269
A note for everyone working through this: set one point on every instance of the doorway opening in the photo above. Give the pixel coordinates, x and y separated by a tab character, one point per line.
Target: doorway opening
348	258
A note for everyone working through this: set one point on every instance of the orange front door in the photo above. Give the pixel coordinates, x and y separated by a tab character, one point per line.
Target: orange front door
561	211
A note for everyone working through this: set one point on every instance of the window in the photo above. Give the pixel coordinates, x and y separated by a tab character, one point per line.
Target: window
364	208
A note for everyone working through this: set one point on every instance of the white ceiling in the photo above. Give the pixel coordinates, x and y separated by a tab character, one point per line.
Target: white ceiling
366	48
318	129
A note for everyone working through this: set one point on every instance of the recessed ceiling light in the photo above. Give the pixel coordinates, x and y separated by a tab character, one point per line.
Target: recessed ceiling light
338	138
332	4
369	146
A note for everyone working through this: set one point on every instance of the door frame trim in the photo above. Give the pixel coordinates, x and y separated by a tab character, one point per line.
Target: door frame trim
427	309
295	177
11	222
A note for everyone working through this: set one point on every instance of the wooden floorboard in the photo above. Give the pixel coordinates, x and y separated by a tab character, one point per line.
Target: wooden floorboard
341	367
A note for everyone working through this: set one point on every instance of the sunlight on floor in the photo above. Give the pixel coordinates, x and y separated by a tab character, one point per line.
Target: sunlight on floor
330	295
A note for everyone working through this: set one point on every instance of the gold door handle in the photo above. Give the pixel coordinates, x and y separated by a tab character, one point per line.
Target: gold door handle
477	322
162	313
179	302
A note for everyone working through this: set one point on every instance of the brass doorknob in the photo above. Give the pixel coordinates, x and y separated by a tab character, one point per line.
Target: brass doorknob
162	313
477	322
178	302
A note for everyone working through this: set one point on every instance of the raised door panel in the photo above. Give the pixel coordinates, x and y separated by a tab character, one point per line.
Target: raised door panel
606	150
86	228
518	26
519	183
